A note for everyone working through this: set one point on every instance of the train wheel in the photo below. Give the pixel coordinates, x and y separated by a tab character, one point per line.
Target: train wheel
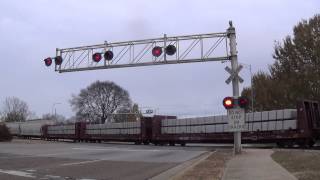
183	144
171	143
156	143
146	143
289	144
311	144
307	143
280	144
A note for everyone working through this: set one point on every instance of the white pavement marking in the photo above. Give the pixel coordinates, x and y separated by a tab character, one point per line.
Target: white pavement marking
122	149
31	170
82	162
52	177
54	154
17	173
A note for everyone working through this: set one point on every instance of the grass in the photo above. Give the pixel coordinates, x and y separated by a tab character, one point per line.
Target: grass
303	164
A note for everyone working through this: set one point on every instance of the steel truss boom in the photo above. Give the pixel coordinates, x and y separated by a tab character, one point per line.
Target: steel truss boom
189	49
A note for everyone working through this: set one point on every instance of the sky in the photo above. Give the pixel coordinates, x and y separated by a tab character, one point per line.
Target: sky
31	31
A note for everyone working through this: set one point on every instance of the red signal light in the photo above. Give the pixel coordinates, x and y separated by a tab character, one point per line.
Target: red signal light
108	55
48	61
157	51
228	102
96	57
58	60
171	50
243	102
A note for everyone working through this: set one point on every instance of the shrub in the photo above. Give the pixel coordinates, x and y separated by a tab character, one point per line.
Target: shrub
4	133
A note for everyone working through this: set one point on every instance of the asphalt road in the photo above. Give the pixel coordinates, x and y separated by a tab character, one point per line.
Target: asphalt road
25	159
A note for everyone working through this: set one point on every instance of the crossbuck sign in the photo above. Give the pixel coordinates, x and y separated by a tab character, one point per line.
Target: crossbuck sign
234	74
236	118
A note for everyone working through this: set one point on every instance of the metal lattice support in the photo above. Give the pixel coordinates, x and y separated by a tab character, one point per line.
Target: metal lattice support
189	49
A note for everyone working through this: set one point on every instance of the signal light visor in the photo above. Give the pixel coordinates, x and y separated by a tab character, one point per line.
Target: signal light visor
157	51
171	50
48	61
108	55
96	57
243	102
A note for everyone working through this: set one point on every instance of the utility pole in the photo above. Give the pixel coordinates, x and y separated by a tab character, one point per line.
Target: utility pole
252	90
54	111
251	84
235	81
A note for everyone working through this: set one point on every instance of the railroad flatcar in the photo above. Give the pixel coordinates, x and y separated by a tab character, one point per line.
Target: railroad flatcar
28	129
286	127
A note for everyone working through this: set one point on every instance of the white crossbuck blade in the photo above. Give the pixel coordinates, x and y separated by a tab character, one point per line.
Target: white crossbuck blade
234	74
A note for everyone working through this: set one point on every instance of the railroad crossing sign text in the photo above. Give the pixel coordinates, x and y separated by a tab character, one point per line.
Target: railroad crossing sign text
236	119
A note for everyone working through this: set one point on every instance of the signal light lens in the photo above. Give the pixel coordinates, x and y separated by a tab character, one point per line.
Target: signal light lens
157	51
243	102
48	61
171	50
108	55
96	57
228	102
58	60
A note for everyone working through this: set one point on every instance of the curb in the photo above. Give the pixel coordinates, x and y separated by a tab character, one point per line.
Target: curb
182	168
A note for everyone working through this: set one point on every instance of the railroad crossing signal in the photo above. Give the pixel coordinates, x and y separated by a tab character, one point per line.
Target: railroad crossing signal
108	55
234	74
145	52
180	49
96	57
236	112
243	102
231	102
48	61
228	102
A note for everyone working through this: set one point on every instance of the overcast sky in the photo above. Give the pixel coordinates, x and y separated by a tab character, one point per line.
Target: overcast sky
31	30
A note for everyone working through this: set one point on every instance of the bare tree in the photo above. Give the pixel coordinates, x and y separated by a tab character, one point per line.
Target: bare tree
99	100
55	117
15	109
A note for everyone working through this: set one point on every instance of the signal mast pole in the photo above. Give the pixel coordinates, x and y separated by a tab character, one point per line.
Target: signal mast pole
235	81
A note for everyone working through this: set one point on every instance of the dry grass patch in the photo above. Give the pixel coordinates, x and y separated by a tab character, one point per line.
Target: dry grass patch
211	168
304	164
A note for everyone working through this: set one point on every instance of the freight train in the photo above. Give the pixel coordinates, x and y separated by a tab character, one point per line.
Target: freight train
285	127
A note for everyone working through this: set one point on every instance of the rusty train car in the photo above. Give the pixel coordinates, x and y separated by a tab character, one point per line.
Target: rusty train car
285	127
